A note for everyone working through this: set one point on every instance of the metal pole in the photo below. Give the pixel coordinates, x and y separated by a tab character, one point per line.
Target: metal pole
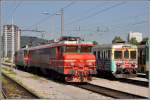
12	54
0	44
62	22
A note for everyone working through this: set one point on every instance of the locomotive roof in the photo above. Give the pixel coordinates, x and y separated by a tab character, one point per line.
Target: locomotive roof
117	45
61	43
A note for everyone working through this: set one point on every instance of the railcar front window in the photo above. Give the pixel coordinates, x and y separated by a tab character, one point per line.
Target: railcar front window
85	49
71	49
133	54
118	54
126	54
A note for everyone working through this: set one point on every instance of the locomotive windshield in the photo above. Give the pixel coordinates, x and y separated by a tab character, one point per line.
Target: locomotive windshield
118	54
85	49
78	49
71	49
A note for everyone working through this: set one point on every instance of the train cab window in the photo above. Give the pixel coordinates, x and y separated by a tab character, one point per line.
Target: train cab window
126	54
117	54
71	49
133	54
85	49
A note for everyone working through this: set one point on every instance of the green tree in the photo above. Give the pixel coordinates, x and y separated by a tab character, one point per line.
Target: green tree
95	42
145	40
118	39
133	41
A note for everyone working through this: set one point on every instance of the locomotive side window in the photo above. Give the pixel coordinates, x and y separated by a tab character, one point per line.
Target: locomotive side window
118	54
95	53
85	49
126	54
133	54
53	53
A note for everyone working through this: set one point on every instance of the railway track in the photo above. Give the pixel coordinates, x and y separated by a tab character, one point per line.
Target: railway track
109	92
135	82
12	90
129	81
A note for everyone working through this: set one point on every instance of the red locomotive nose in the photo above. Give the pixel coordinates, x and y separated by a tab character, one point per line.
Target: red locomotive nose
79	57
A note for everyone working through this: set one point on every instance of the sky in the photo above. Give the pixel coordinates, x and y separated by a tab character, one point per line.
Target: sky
91	20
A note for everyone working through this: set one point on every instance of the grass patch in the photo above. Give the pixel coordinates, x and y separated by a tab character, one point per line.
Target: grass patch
35	77
8	71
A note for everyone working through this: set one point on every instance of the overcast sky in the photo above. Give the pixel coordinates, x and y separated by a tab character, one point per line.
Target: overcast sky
91	20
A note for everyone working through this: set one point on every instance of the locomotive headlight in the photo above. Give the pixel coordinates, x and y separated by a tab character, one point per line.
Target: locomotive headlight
90	64
72	64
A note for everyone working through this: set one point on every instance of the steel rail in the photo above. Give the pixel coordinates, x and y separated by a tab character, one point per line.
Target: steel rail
3	93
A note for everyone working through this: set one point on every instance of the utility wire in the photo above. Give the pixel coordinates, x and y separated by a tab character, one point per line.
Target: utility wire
16	7
97	13
46	18
89	10
69	5
113	25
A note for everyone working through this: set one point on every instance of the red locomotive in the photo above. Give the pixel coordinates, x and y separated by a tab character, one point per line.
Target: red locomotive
69	58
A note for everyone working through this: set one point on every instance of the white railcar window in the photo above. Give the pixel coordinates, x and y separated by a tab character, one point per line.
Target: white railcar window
98	54
133	54
117	54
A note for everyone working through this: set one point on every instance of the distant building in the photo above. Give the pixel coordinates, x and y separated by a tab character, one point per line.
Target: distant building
11	39
136	35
